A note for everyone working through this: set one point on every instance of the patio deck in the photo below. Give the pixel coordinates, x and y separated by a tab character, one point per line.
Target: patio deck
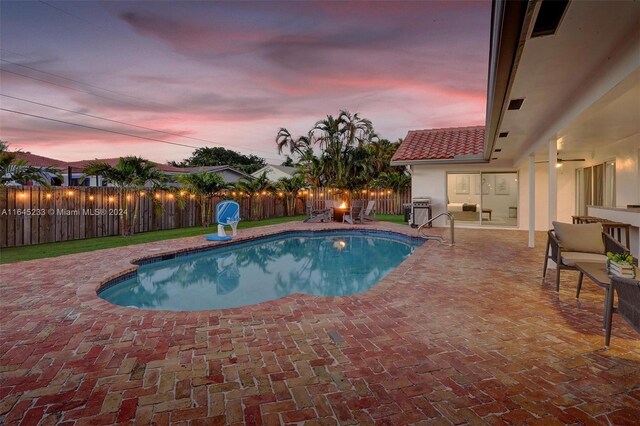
454	335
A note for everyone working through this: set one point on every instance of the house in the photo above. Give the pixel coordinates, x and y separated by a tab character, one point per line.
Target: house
42	162
562	133
228	173
73	175
275	172
76	176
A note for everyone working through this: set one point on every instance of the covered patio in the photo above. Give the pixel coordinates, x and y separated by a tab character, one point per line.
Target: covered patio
463	334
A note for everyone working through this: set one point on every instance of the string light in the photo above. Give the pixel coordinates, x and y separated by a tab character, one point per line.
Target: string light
142	194
128	197
70	193
90	197
264	192
111	199
158	196
170	196
22	195
192	196
182	193
48	195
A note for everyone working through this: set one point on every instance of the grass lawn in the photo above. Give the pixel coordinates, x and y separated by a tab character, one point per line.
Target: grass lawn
39	251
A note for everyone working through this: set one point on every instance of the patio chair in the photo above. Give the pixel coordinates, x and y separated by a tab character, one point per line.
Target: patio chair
320	215
628	304
227	214
356	212
369	212
330	205
568	244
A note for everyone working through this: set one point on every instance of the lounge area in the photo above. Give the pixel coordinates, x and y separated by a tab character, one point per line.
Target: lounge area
447	335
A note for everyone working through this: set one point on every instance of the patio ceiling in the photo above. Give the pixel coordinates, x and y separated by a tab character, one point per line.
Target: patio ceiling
580	84
613	117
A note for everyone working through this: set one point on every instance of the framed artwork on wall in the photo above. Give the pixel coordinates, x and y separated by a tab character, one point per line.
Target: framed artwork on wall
462	184
502	185
487	183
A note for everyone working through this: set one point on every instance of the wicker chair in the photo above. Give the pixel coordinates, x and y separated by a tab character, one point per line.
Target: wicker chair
628	304
555	253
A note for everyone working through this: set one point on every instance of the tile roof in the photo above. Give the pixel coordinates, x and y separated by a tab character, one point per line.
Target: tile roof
40	161
441	144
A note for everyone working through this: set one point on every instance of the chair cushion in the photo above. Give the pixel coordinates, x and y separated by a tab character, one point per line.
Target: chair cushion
570	258
585	238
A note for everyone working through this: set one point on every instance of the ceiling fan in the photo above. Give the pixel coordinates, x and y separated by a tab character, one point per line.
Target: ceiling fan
562	160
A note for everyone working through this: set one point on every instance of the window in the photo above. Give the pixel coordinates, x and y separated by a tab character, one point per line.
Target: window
595	186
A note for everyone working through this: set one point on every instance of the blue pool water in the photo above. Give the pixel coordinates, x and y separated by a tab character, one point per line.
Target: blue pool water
319	263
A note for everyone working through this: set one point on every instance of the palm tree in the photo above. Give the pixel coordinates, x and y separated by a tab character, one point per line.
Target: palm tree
204	185
291	188
345	161
260	185
395	181
16	170
130	175
296	146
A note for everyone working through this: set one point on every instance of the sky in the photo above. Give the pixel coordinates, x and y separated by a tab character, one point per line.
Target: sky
232	73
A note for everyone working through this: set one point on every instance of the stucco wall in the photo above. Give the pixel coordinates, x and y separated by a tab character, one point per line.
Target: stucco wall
432	181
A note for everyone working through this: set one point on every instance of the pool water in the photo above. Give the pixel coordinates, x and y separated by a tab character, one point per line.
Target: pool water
317	263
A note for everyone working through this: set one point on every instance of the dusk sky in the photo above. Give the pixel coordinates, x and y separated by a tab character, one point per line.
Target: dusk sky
232	73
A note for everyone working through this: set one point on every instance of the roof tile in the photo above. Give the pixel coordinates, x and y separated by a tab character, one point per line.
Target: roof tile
441	144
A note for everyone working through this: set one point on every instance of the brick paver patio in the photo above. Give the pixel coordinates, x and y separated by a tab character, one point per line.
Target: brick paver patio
467	334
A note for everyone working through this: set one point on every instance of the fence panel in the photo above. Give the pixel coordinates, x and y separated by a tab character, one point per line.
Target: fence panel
35	215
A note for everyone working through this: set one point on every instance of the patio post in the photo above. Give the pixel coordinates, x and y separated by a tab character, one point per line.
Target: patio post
553	182
532	200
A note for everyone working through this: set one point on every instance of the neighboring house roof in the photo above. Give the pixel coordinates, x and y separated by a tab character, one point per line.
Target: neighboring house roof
113	161
215	169
40	161
457	144
284	169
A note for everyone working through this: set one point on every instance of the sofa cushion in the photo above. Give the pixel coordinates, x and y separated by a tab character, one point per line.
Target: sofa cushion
585	238
570	258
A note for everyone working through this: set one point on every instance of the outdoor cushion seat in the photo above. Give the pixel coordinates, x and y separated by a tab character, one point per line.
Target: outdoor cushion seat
570	258
568	244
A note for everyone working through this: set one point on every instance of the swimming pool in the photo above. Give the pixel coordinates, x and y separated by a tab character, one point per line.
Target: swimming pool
325	263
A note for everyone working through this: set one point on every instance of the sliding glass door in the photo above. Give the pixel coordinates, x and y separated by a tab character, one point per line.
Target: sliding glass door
488	199
499	199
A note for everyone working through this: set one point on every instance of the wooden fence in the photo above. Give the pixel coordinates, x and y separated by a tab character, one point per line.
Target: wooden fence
35	215
387	201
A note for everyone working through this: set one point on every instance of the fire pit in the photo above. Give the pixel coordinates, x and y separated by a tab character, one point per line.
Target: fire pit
340	211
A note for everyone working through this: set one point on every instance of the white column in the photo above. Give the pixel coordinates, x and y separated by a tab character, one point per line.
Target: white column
532	200
553	182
